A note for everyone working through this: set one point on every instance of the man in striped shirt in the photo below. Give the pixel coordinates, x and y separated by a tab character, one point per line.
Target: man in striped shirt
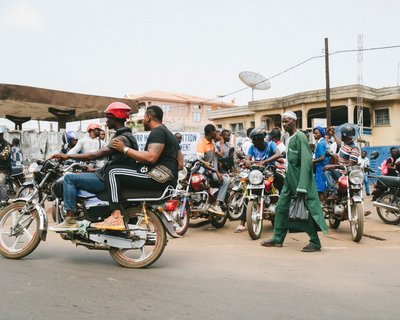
347	156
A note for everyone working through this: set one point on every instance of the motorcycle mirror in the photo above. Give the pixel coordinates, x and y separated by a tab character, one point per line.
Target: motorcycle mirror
374	155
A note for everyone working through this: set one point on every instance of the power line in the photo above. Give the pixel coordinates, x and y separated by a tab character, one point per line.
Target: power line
303	62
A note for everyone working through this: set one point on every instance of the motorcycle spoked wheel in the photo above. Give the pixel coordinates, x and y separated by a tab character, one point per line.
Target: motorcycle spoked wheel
234	211
150	252
254	219
334	222
357	221
26	237
388	216
182	225
219	222
24	191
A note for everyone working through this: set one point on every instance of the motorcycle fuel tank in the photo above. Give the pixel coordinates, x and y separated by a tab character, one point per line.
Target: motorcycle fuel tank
199	182
342	184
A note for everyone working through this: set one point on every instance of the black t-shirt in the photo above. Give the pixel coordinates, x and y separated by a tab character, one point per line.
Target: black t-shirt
169	156
391	160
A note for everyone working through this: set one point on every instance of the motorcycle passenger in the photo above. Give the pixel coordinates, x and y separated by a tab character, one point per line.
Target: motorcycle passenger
17	156
299	180
347	156
247	141
391	162
206	152
5	165
70	142
320	160
116	114
261	152
224	152
157	166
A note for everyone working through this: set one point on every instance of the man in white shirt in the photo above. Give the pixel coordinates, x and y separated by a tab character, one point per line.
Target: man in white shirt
363	162
246	144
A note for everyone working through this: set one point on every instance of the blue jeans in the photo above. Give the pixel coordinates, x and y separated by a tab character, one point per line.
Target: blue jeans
85	181
224	185
331	176
366	183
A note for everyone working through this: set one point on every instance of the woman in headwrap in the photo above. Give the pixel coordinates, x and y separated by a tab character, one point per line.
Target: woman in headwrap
320	160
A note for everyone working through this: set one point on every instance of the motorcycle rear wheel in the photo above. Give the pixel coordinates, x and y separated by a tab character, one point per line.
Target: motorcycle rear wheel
254	219
143	257
386	215
334	222
234	211
26	237
357	221
219	222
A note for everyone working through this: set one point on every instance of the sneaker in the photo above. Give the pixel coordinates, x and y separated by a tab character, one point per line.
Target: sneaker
271	243
310	248
69	224
111	223
216	209
240	229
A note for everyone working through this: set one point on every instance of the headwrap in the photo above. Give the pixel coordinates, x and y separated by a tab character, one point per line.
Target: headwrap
321	130
290	114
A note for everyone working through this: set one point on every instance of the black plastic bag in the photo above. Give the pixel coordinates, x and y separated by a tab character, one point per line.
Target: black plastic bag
298	209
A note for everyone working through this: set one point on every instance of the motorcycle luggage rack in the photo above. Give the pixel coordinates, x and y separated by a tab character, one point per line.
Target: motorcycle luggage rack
169	190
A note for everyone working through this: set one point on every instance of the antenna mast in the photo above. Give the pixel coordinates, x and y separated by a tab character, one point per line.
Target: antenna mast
360	101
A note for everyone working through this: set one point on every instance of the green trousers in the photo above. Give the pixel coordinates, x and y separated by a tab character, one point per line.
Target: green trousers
282	225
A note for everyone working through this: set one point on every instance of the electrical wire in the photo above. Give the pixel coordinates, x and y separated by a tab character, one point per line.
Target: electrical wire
303	62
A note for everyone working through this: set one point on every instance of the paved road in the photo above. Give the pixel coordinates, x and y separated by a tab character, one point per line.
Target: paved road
212	274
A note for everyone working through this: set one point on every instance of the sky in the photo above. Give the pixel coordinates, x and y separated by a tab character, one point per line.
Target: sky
112	48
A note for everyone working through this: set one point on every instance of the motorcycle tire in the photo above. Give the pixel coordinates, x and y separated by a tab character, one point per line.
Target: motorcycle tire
254	220
140	258
234	211
334	222
27	238
357	221
24	191
182	226
386	215
219	222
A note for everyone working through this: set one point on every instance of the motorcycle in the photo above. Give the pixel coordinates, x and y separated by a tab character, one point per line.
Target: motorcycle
386	198
262	197
23	223
237	194
195	194
349	203
15	180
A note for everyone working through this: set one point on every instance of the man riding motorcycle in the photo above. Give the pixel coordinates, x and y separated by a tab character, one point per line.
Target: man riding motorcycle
116	114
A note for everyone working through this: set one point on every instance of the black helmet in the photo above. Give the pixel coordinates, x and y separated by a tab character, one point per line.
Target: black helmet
258	133
348	131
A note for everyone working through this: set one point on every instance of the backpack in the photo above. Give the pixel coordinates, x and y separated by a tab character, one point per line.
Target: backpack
384	167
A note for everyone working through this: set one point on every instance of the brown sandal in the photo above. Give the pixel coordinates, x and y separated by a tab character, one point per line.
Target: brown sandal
111	223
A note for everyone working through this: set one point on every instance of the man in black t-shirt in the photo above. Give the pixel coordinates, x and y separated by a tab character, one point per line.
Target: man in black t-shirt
391	162
157	166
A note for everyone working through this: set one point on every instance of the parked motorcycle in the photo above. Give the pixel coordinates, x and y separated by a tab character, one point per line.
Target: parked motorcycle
262	197
15	180
349	203
195	194
23	223
386	198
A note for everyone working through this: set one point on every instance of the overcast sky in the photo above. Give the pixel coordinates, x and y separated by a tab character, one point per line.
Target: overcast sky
196	47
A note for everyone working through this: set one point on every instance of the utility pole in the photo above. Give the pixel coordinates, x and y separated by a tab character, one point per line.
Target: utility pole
328	87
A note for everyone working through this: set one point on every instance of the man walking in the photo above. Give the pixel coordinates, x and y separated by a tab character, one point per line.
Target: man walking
299	180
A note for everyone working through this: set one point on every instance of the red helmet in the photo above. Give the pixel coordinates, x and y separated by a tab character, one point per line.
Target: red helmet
118	110
93	126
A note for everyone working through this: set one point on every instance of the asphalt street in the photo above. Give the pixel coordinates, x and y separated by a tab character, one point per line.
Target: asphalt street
212	274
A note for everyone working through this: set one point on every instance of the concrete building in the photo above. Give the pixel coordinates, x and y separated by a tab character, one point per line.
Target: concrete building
381	112
182	112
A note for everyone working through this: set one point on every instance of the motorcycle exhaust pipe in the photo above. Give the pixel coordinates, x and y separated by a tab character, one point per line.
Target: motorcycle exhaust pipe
386	206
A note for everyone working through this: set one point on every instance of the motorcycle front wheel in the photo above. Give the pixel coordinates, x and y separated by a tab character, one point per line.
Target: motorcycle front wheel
388	216
19	230
357	221
234	208
181	223
151	250
254	219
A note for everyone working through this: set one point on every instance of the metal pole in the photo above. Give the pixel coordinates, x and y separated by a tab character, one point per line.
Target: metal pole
328	88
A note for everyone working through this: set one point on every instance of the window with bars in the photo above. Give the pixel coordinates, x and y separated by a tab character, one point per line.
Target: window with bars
382	117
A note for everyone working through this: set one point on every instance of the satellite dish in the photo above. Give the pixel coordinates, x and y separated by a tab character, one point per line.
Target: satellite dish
255	81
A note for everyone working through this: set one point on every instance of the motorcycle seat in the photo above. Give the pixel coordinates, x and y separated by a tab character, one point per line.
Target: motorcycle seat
17	170
141	195
389	181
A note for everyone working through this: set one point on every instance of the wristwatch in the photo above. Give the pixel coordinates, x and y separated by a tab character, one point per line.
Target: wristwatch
126	149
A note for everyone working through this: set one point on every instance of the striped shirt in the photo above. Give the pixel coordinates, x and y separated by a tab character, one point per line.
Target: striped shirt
348	152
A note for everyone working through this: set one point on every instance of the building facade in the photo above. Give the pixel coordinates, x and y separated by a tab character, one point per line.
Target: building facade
182	112
381	112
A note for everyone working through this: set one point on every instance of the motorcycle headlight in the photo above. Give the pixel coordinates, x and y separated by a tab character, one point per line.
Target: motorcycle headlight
182	174
356	177
255	177
244	173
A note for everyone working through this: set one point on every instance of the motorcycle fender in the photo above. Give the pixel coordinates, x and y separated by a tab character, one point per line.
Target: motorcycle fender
168	225
357	199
